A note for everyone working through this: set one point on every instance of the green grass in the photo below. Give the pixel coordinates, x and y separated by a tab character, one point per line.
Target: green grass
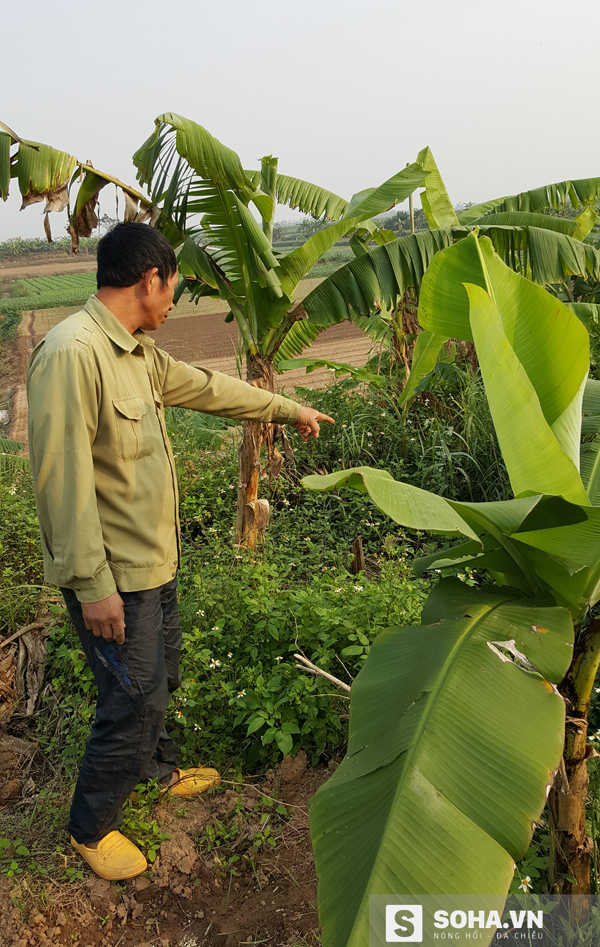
51	300
65	282
9	324
44	292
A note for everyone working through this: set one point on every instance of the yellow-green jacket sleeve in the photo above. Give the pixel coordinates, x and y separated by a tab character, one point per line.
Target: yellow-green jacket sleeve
63	392
214	393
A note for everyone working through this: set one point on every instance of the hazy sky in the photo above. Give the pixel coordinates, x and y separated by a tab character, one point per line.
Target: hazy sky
344	92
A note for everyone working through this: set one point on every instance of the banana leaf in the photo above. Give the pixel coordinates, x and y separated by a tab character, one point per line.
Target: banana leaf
5	143
444	311
44	173
455	732
539	431
585	221
10	459
415	508
382	276
539	200
435	200
587	313
529	219
209	158
590	450
364	205
308	198
339	368
395	190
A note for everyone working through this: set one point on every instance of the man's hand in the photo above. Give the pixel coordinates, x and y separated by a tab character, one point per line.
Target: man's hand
308	422
106	619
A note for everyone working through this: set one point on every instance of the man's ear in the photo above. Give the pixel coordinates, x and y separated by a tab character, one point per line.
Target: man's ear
148	279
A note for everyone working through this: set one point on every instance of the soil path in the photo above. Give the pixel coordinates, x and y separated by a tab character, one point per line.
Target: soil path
50	268
25	342
193	896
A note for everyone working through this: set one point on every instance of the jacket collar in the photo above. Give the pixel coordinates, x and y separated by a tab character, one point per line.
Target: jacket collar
111	326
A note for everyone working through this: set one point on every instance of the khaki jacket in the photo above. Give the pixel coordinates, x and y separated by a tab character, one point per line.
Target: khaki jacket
103	469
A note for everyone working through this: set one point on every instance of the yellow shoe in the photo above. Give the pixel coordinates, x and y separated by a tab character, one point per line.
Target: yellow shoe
193	781
115	859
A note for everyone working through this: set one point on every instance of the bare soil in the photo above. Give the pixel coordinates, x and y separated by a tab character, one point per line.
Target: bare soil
24	345
190	898
42	266
195	334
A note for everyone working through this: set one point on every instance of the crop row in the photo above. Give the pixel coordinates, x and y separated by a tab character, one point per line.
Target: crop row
62	283
74	297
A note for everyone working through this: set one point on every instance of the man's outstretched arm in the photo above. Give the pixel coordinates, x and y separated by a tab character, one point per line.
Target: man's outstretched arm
215	393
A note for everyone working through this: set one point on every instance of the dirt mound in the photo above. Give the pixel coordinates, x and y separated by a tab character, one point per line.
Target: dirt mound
196	894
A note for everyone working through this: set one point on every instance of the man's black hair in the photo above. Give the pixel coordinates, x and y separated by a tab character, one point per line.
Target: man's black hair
128	250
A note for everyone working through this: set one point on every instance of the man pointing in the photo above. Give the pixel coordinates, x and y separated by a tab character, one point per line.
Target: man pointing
106	493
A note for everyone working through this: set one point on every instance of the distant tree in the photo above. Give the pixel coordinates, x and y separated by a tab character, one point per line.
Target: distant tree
399	222
420	220
279	232
309	226
106	224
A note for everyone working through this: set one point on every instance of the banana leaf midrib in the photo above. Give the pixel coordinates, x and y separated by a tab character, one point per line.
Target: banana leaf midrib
473	625
505	542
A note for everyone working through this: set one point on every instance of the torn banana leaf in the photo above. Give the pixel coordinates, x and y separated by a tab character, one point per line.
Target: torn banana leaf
455	732
46	174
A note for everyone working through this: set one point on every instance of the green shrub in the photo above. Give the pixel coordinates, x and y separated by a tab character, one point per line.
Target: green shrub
15	249
53	300
9	324
245	614
21	572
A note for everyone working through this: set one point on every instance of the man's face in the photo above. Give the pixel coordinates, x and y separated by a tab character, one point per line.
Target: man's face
158	300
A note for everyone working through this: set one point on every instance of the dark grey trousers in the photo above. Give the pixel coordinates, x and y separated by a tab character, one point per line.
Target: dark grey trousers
128	743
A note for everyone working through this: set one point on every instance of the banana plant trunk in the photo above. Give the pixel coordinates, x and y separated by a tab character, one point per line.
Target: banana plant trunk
571	848
407	329
253	514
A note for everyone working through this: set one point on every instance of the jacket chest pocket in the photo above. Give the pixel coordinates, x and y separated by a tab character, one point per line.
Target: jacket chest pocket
136	436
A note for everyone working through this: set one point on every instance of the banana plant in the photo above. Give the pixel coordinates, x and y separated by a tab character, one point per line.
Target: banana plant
205	195
45	174
10	459
457	726
550	250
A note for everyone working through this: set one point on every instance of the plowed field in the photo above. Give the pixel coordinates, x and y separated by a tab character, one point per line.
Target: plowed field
198	334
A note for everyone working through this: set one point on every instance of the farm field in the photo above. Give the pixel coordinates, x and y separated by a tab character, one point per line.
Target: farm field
41	267
206	339
40	285
199	335
185	308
